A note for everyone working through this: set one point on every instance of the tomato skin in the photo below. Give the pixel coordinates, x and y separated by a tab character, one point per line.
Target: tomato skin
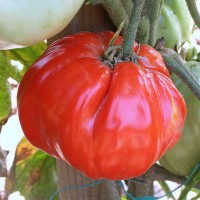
107	123
24	23
184	156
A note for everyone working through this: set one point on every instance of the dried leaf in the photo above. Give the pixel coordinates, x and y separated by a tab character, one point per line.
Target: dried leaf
3	168
36	176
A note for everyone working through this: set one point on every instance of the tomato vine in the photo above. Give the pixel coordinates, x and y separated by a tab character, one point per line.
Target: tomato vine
192	6
132	27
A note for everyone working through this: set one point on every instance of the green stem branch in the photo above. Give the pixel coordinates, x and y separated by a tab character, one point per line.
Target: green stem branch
152	9
116	12
166	189
157	5
175	64
196	197
192	6
132	27
143	30
195	178
128	6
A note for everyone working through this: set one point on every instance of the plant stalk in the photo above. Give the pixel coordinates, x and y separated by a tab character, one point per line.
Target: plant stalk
128	6
142	35
166	189
157	5
195	178
175	64
196	197
132	27
116	12
152	10
192	6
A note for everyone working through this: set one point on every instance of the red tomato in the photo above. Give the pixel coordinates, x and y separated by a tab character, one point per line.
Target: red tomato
108	123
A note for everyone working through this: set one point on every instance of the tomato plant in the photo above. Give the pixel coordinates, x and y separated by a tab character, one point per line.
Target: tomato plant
182	158
175	23
107	122
24	23
169	19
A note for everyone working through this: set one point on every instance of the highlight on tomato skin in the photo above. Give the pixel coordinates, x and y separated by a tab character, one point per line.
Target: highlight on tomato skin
112	123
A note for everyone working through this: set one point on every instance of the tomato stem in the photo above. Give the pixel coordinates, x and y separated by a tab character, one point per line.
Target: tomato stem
175	64
128	6
196	197
116	12
152	9
143	30
192	6
111	48
132	27
166	189
194	180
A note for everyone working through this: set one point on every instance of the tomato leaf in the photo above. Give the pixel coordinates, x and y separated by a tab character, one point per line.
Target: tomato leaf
35	172
14	63
5	101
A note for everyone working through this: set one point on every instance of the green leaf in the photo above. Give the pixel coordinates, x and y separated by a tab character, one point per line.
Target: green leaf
5	101
10	60
36	176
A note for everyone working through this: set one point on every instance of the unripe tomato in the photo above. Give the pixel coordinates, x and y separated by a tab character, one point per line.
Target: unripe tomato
175	23
26	22
183	157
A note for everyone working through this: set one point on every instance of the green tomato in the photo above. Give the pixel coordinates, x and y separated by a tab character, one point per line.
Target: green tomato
27	22
183	157
175	23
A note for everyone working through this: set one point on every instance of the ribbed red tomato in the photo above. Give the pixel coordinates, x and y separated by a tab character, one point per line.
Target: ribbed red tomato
112	123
